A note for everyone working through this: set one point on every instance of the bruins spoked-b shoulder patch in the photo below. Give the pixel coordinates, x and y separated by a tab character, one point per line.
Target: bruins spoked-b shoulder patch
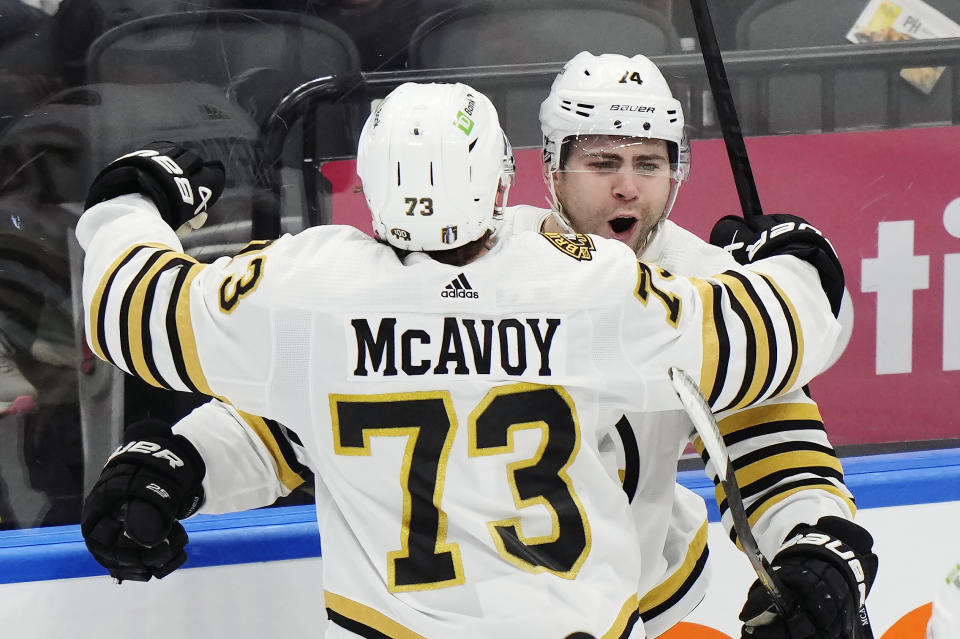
578	246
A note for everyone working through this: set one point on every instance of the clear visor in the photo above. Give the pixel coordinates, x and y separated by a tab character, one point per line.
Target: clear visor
610	155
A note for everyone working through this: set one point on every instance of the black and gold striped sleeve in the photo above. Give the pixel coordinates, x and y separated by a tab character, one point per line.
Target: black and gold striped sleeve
139	317
280	441
779	451
752	339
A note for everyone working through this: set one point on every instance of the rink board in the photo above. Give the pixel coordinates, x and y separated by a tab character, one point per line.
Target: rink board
257	574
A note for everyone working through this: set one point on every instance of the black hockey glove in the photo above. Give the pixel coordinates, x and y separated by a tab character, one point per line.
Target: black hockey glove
755	237
130	518
179	182
828	570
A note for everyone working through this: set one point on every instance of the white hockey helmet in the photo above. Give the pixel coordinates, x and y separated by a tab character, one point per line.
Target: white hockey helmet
611	94
435	166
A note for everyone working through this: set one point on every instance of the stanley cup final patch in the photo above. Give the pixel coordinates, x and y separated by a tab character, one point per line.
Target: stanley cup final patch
579	246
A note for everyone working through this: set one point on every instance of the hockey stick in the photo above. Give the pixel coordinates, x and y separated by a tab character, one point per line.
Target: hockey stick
706	425
726	112
703	420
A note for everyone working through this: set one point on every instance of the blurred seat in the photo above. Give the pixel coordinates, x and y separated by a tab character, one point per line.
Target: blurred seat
791	102
212	81
253	58
501	32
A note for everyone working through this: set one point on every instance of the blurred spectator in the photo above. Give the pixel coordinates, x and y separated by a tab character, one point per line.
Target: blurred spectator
53	127
381	29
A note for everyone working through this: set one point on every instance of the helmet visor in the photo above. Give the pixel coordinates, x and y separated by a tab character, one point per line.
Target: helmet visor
611	154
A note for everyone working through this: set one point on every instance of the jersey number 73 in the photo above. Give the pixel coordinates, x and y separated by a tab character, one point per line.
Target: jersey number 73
426	560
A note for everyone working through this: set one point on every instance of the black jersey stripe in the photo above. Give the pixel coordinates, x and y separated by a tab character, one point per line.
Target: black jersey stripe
675	587
716	340
127	318
796	336
280	434
98	304
771	428
173	262
768	359
289	469
769	482
751	355
757	509
138	323
253	246
292	436
172	330
767	413
363	620
354	626
794	446
631	456
631	622
183	344
759	506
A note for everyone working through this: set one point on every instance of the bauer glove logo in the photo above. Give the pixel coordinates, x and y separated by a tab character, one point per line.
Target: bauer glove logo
840	549
149	448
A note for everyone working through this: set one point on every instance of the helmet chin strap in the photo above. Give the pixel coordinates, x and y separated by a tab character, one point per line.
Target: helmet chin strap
654	229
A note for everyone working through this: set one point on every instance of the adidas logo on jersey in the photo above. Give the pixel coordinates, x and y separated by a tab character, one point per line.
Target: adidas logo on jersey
459	287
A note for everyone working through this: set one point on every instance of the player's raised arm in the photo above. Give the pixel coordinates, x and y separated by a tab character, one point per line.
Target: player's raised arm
136	275
151	309
765	329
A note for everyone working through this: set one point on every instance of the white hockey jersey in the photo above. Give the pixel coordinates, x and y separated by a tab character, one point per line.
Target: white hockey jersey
788	471
454	415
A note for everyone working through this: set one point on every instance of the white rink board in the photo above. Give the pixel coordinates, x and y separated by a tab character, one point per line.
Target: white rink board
239	601
917	545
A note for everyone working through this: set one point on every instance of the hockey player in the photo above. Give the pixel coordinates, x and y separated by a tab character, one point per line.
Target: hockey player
614	163
457	439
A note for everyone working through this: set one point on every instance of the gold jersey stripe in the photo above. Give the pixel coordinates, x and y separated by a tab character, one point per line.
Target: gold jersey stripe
794	320
290	478
136	316
100	296
187	340
785	461
767	414
669	586
773	500
711	339
758	329
625	619
368	616
380	622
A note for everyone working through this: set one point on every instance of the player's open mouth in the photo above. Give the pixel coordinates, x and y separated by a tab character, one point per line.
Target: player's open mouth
622	224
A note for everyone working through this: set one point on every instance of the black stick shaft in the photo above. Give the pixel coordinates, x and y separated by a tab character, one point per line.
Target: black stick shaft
726	112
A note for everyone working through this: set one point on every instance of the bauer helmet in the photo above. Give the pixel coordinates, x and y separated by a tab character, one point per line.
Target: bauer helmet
435	166
611	94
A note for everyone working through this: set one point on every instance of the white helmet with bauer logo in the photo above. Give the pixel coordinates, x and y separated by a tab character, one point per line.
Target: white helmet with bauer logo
611	94
435	166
